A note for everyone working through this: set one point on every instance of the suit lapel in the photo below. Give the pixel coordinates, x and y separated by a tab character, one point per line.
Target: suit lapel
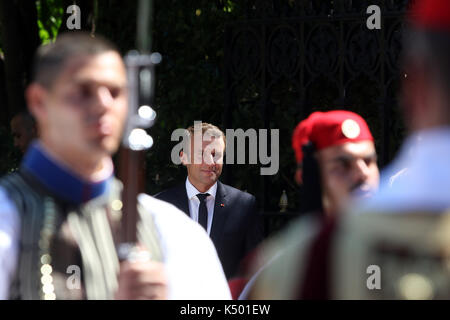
220	205
181	200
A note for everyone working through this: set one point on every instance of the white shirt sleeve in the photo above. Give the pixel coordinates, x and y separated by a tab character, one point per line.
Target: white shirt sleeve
193	268
9	242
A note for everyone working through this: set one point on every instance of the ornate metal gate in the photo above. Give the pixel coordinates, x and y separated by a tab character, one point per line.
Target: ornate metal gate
289	58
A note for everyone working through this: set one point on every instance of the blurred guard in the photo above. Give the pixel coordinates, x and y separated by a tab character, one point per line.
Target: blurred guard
59	214
402	236
397	244
336	162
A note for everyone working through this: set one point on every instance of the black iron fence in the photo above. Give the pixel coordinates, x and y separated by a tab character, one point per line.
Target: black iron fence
289	58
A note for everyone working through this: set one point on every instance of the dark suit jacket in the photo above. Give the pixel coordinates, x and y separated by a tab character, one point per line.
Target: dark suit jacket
236	227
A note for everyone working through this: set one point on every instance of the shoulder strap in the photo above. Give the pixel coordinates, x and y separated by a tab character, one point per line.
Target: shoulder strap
148	234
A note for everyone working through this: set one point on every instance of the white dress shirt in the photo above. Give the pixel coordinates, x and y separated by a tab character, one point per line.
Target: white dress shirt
194	203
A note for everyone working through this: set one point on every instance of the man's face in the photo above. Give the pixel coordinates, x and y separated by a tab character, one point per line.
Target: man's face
85	109
206	162
21	134
347	170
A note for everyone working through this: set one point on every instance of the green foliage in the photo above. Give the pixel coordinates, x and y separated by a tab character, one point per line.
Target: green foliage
50	15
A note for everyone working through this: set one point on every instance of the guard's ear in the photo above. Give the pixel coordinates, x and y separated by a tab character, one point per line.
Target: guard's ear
183	158
35	95
299	176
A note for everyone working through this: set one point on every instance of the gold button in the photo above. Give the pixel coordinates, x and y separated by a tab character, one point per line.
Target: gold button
48	288
116	205
46	269
50	296
44	243
414	286
46	259
46	279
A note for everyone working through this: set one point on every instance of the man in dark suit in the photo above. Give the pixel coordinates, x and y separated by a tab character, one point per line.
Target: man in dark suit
228	215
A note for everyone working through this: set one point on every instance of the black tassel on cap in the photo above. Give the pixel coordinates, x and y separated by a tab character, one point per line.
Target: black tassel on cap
312	191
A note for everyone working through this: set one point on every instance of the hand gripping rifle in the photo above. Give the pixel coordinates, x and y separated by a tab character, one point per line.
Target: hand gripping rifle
141	81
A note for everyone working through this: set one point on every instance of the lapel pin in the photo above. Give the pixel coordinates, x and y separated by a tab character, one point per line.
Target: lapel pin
222	205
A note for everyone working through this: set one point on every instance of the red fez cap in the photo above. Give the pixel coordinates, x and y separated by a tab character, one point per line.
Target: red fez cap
431	14
326	129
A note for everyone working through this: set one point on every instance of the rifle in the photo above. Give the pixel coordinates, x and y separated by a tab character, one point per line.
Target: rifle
140	77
